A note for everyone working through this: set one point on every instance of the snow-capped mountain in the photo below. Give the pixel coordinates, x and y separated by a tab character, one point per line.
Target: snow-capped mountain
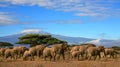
71	40
106	43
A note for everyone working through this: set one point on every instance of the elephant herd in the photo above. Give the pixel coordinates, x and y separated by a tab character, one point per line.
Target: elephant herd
85	52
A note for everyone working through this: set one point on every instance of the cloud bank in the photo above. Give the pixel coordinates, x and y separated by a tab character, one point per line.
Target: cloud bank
89	8
79	7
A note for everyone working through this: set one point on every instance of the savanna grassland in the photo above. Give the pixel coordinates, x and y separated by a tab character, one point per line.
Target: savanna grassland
61	63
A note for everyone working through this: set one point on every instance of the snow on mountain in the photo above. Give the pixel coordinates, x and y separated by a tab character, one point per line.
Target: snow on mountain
106	43
97	41
32	31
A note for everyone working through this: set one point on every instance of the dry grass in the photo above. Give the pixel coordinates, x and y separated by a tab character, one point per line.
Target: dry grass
38	63
68	63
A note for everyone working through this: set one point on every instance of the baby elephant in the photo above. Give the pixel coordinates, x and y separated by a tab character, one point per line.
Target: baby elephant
75	54
27	55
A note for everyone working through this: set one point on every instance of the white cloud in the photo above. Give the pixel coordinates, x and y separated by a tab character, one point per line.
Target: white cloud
88	14
3	5
6	19
68	21
79	7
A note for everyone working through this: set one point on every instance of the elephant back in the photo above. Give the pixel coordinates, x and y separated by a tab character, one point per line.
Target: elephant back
40	47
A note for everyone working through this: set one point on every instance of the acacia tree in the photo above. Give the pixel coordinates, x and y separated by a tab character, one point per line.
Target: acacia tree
51	40
5	44
37	39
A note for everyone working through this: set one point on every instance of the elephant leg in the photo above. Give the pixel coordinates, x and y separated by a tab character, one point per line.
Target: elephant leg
86	57
22	54
38	54
112	56
63	56
70	57
82	56
115	55
54	56
24	59
16	56
32	57
11	57
5	57
95	58
45	58
58	57
19	54
89	58
99	56
50	58
78	57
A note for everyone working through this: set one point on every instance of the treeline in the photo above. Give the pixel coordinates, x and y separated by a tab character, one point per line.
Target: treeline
5	44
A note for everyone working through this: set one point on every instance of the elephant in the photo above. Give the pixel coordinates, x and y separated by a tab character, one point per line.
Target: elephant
36	50
27	55
75	54
10	53
32	51
2	52
48	52
59	49
94	52
39	49
19	50
110	51
82	49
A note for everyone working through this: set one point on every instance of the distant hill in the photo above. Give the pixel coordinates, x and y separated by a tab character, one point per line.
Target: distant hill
71	40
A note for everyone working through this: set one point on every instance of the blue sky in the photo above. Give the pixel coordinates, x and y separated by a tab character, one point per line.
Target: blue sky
77	18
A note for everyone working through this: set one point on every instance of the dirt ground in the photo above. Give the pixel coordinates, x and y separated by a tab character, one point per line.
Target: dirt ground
60	64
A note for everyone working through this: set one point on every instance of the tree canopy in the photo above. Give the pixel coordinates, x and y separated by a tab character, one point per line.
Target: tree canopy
37	39
5	44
